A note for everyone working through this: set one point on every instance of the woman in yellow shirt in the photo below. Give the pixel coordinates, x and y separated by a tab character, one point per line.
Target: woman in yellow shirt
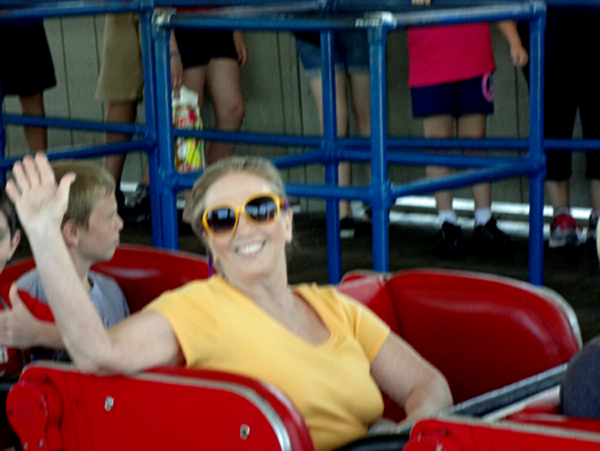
328	353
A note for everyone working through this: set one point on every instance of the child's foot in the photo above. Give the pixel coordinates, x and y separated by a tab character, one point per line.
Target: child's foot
488	238
564	231
450	241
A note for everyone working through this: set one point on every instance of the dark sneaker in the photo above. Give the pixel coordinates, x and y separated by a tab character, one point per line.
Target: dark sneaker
592	227
564	231
347	228
489	238
450	241
137	208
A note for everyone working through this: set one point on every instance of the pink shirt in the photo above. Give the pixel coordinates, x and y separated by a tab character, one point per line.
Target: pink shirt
449	53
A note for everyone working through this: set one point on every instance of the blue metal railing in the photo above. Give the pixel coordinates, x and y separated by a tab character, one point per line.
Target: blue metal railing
330	150
324	16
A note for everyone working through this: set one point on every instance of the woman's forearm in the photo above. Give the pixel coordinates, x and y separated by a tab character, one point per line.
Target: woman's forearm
82	331
428	399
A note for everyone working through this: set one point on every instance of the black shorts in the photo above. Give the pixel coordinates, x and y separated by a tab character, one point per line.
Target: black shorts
472	96
26	63
197	47
571	36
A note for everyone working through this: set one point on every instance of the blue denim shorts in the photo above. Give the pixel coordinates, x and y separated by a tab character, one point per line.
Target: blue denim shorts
473	96
350	51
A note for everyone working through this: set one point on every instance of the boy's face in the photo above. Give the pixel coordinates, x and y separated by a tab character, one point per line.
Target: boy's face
98	241
8	244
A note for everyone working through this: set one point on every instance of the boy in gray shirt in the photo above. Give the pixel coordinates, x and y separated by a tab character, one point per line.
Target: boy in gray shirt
90	228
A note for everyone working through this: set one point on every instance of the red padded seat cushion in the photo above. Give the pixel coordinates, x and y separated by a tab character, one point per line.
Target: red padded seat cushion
482	333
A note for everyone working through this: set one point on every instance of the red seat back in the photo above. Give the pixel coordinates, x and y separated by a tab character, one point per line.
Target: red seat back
63	409
143	273
372	290
15	270
482	332
466	434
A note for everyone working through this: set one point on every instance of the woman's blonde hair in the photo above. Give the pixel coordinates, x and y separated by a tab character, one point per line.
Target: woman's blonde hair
91	184
259	166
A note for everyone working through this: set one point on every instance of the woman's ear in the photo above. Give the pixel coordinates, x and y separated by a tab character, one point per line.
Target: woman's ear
206	239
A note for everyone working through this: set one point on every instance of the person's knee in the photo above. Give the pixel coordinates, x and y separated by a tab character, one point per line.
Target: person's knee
230	117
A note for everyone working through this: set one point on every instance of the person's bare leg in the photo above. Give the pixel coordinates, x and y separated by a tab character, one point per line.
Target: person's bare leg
225	89
360	86
344	168
474	126
194	78
121	112
36	137
360	89
488	239
558	193
439	126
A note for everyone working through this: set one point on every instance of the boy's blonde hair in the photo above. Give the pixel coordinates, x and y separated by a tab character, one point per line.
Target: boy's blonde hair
91	184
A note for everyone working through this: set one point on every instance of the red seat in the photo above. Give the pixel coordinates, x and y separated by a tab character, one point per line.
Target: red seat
460	434
143	273
482	332
55	407
544	410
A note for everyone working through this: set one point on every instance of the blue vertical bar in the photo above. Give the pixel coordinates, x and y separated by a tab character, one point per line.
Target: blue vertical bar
329	145
151	109
536	151
380	187
164	162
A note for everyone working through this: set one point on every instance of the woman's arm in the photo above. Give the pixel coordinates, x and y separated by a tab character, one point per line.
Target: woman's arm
519	55
240	47
139	342
410	380
176	66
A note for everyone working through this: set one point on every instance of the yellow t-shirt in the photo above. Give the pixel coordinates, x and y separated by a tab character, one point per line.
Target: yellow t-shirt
220	328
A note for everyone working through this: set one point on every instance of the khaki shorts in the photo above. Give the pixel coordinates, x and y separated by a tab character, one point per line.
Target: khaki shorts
121	76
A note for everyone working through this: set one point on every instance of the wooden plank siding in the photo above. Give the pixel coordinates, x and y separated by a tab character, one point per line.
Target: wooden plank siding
278	100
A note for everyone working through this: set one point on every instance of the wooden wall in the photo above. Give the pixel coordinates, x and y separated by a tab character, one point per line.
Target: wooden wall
277	100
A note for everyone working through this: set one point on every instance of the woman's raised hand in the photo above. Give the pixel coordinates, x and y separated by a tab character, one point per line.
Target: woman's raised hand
40	203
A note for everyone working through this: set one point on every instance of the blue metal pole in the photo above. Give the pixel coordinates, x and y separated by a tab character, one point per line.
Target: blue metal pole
380	200
151	119
536	150
329	146
163	163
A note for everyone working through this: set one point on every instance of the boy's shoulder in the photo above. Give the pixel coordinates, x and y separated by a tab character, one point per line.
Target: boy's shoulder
105	284
31	283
